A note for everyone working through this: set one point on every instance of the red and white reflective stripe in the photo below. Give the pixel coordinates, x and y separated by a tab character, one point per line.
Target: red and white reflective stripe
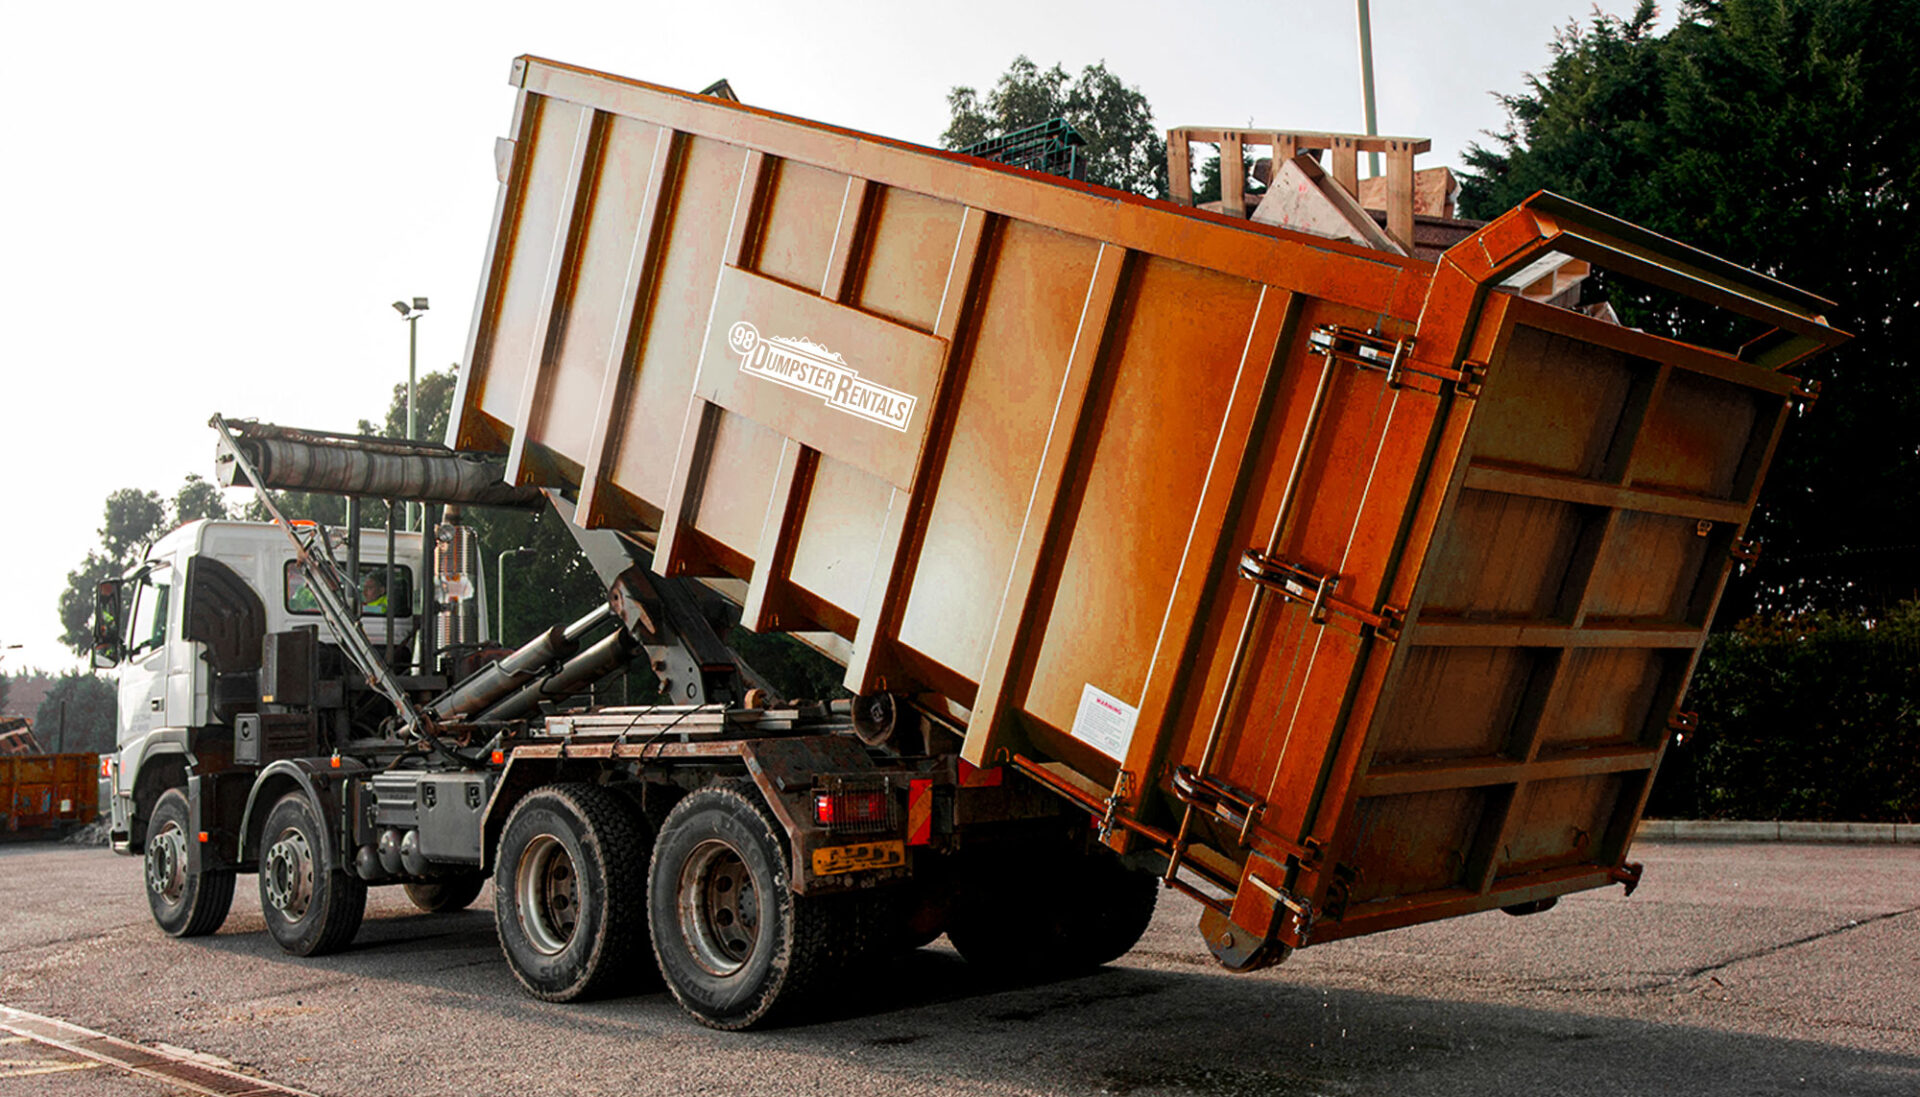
920	811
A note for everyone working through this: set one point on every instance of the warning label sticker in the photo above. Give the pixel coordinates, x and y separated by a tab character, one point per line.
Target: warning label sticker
1104	722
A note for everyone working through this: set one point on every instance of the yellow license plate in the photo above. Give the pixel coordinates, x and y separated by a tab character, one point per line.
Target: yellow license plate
833	860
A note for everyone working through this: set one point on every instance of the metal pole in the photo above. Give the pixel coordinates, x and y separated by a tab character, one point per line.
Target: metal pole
1366	84
500	631
501	570
413	356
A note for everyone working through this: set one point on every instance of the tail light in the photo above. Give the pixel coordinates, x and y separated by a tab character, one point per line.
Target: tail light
854	809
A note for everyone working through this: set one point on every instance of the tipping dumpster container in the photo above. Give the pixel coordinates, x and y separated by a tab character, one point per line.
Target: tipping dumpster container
1358	588
48	792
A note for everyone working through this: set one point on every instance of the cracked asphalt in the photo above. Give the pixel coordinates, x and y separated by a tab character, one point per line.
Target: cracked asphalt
1735	969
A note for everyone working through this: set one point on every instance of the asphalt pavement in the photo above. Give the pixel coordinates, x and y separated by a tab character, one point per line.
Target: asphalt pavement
1735	969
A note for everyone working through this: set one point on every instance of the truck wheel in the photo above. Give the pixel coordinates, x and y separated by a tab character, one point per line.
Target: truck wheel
310	904
568	895
1046	913
185	905
451	893
733	940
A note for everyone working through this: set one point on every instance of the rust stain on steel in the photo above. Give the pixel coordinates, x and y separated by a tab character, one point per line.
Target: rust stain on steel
1489	533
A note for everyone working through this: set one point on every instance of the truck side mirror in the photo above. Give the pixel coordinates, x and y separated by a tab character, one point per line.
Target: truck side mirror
107	621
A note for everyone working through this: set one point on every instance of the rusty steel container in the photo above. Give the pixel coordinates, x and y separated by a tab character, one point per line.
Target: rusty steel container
43	792
1363	589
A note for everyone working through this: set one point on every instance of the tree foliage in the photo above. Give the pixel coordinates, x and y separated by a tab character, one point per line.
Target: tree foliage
77	715
1810	716
131	521
198	498
1785	136
1124	150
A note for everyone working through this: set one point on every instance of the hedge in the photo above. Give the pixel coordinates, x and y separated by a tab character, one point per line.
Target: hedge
1810	717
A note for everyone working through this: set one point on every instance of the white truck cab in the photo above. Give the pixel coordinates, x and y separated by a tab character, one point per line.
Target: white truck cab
174	628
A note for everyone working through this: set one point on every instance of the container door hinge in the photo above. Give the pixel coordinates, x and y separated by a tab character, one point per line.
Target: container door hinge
1628	875
1237	807
1804	396
1122	790
1745	553
1682	724
1394	357
1316	591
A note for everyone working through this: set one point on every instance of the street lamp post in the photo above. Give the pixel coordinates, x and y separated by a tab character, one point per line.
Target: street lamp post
411	314
500	569
1366	83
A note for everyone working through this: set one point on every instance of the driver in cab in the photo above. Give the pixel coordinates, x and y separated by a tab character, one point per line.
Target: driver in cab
373	594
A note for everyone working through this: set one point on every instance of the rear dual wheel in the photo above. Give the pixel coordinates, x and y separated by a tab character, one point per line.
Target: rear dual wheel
736	945
1051	911
446	894
569	893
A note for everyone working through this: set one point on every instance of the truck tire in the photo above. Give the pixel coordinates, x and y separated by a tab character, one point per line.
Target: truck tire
448	894
568	894
184	904
1055	914
312	906
735	944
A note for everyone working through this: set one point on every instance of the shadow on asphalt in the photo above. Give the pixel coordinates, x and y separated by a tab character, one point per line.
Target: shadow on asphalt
1131	1030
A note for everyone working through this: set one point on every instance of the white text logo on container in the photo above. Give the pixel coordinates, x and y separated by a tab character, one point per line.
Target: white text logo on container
811	368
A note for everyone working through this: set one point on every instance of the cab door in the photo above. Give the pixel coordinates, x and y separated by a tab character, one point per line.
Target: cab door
144	666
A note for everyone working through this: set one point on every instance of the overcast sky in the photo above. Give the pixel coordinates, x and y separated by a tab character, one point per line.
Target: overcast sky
209	207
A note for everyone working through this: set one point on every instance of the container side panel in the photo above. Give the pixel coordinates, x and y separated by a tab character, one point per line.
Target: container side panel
1033	289
1558	407
1162	395
1559	823
1505	556
563	422
519	313
1339	469
1282	646
1456	703
737	482
1414	843
694	242
1610	696
1649	568
833	558
796	232
910	248
1696	437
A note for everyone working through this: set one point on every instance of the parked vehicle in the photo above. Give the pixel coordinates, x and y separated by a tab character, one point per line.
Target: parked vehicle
998	443
47	794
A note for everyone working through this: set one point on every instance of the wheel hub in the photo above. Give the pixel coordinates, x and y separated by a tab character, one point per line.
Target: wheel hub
546	889
719	908
288	872
167	863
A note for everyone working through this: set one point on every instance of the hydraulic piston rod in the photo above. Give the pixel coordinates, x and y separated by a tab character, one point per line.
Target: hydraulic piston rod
383	468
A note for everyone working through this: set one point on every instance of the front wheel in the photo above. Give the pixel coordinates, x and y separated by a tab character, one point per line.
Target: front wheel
312	906
567	893
185	904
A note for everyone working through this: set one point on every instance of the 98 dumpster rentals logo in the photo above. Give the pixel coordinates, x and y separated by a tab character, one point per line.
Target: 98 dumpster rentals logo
808	367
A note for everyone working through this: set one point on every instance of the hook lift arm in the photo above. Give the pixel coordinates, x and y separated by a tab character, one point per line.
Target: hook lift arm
326	582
